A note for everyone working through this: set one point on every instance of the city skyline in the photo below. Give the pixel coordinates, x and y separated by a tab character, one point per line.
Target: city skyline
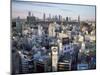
49	37
20	8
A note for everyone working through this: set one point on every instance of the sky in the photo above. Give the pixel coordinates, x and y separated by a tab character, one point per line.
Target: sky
21	8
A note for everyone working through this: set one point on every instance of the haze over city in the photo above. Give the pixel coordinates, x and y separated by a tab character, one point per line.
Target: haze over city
21	9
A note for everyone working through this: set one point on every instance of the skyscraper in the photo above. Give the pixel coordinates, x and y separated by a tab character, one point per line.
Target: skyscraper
44	17
78	18
54	58
51	30
18	25
29	13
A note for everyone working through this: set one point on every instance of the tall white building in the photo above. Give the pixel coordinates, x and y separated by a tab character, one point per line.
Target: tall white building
51	30
60	46
40	30
54	58
83	46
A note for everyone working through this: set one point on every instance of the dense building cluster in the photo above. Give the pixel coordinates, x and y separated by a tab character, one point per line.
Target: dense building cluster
52	44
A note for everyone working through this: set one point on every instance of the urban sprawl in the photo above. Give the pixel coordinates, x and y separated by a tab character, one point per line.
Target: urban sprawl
52	44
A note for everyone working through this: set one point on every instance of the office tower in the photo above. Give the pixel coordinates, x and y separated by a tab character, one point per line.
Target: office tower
54	58
44	17
49	16
29	14
30	18
60	46
18	25
40	30
78	18
67	19
51	30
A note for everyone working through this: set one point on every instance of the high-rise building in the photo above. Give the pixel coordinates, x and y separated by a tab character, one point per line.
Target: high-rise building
29	13
16	63
79	21
44	17
18	24
51	30
78	18
60	18
30	18
49	16
54	58
40	30
60	47
67	19
56	18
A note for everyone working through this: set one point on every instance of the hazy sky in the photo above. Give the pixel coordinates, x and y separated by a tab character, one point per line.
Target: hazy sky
21	9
